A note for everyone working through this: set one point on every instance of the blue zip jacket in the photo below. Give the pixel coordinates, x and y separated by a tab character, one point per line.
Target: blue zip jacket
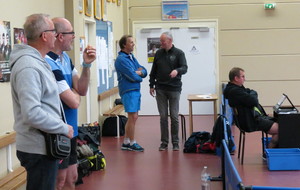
128	80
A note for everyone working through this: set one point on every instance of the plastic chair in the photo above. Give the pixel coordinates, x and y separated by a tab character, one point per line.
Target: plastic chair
242	137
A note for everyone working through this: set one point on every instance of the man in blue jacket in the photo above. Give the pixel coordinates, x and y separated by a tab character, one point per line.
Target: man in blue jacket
130	75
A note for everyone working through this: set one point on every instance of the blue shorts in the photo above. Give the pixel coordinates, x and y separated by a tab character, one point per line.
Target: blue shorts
132	101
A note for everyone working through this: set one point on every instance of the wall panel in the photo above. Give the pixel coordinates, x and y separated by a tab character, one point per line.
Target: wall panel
260	42
140	3
269	92
264	68
249	16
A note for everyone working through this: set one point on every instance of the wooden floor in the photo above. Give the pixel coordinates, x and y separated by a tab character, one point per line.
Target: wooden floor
166	170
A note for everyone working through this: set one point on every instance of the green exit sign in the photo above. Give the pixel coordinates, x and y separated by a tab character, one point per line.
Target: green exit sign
270	5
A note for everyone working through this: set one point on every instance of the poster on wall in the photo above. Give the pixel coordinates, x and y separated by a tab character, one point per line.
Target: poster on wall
106	74
175	10
153	44
19	36
5	50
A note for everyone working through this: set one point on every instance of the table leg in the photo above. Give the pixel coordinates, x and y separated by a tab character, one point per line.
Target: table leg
191	116
215	110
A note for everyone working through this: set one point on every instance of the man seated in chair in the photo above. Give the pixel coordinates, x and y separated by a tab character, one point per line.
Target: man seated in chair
251	116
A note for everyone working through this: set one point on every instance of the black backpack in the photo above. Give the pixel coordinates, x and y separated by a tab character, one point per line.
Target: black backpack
222	130
110	126
196	138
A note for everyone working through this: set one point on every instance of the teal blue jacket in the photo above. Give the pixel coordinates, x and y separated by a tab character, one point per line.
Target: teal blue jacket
126	66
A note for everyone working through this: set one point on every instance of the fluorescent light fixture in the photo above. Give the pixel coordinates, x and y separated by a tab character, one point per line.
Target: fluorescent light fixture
148	30
200	28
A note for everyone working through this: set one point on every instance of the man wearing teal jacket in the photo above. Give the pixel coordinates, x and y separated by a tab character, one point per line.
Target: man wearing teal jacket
130	75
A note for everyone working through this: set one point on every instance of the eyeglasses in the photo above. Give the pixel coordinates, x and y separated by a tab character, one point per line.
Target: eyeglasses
53	31
72	33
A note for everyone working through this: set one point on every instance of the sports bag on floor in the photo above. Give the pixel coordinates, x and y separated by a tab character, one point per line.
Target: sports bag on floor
195	140
110	126
91	134
98	160
222	130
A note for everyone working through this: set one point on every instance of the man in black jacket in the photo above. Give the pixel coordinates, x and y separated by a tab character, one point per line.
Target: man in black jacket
250	115
165	81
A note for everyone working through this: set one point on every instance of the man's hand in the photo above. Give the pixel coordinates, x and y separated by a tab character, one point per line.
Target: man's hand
174	73
139	71
152	92
71	132
89	54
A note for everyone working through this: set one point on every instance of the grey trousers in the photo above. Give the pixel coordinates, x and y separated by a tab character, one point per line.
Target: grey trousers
168	101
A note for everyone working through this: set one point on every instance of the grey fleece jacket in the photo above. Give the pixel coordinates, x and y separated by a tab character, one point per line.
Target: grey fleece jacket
35	97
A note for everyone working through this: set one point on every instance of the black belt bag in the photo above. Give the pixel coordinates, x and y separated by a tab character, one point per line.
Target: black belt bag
58	145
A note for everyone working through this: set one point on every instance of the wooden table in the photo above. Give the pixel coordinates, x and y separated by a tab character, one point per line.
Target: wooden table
198	98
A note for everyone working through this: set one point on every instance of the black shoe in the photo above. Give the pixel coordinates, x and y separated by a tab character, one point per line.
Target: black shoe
163	147
125	146
175	147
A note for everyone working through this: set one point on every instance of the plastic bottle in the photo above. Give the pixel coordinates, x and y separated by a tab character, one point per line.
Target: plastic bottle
205	185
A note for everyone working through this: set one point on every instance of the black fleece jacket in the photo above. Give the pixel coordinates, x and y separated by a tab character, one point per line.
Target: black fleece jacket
164	62
243	99
240	96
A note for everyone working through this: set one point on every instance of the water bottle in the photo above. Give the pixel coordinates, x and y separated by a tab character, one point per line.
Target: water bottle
205	185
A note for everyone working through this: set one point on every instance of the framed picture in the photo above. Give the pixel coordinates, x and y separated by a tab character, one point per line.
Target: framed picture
6	47
88	7
97	9
153	44
113	1
19	36
103	10
175	10
80	6
118	2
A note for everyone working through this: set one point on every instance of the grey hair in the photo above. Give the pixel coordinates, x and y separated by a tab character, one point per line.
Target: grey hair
59	25
34	25
169	35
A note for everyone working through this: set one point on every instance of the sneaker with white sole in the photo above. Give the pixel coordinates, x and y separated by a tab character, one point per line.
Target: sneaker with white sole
125	146
136	147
